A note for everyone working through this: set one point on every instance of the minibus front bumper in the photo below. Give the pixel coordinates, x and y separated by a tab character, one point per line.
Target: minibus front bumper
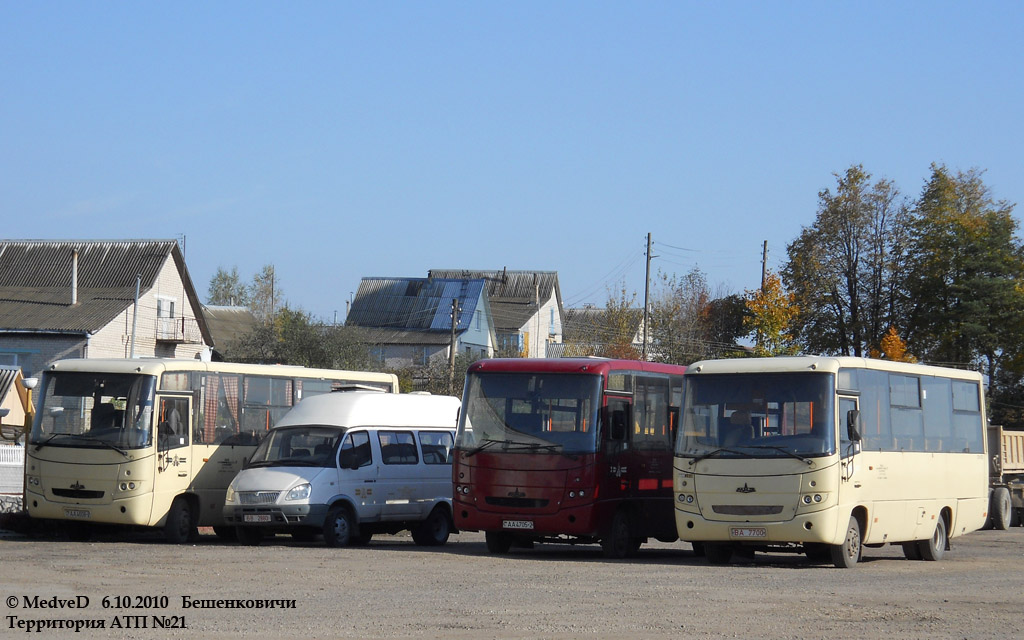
277	516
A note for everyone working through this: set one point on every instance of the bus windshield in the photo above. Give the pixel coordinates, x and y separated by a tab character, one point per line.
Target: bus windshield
300	446
530	413
763	415
95	410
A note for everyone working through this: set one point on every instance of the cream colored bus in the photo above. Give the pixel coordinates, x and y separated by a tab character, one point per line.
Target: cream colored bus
155	443
826	456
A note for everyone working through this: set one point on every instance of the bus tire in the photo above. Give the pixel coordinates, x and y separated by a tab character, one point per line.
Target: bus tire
619	543
847	554
498	542
817	553
78	531
180	527
1001	509
934	548
434	531
338	526
717	553
249	536
912	550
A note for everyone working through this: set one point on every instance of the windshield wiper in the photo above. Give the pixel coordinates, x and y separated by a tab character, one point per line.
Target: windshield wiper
486	443
781	450
715	452
40	445
103	442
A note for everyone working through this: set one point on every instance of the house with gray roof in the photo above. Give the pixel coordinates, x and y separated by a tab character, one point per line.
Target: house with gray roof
77	299
408	321
527	307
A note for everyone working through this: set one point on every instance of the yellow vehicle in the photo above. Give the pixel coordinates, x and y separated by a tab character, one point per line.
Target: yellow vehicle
155	443
826	456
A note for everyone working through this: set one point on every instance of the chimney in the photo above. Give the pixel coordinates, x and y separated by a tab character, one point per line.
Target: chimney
74	277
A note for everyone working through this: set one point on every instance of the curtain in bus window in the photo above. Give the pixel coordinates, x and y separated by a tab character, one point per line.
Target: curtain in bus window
220	407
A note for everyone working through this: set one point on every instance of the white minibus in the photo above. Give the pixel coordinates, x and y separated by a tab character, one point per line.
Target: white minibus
350	464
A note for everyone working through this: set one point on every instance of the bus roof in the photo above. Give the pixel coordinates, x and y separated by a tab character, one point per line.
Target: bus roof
156	366
370	408
570	365
829	364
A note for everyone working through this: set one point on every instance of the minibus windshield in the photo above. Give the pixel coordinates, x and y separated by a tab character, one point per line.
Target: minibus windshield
300	446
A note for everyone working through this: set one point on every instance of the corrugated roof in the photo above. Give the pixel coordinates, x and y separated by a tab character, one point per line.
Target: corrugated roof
512	294
228	323
35	281
422	304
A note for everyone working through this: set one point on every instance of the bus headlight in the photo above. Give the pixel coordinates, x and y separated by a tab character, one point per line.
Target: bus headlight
32	480
300	492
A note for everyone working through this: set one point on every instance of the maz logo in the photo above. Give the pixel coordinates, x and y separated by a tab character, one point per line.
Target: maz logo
77	486
516	494
745	489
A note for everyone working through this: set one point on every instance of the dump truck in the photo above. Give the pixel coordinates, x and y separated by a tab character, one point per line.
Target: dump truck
1006	477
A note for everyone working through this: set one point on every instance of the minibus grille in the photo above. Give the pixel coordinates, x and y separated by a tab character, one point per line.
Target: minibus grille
258	497
746	510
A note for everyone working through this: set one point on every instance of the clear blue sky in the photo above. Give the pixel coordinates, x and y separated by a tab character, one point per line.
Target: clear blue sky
338	140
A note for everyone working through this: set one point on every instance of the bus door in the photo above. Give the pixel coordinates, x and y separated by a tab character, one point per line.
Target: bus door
618	417
173	436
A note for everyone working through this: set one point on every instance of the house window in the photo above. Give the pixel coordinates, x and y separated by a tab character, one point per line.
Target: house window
165	318
477	316
420	356
377	354
551	324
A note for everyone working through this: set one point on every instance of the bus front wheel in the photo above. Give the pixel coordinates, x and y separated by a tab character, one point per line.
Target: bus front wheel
847	554
181	524
620	542
498	542
717	553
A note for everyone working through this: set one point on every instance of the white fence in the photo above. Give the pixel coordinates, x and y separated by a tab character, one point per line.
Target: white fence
12	469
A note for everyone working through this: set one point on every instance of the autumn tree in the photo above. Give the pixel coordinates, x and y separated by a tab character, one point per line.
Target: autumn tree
771	314
265	294
226	289
843	270
688	323
619	326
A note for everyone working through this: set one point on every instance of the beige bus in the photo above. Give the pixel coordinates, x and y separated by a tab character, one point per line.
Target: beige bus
155	443
828	455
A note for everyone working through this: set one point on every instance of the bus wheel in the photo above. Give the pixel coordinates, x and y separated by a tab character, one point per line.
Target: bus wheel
180	526
1001	509
78	531
912	550
434	531
817	553
249	536
717	553
337	527
619	543
935	547
498	542
846	555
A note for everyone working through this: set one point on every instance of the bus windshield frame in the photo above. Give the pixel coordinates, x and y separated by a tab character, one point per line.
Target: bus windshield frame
95	410
763	415
530	412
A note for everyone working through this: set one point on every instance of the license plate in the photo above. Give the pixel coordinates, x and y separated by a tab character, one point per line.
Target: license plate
256	517
748	532
81	514
517	524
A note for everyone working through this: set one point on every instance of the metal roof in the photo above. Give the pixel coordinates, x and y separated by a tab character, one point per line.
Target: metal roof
422	304
512	294
36	288
228	323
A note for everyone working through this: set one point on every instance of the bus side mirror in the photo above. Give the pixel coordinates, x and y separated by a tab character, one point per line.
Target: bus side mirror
852	420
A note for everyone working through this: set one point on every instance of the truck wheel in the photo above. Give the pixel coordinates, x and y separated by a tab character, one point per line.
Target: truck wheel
180	526
249	536
498	542
619	542
935	547
434	531
847	554
1001	509
337	527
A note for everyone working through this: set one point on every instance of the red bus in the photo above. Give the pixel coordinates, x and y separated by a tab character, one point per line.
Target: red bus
574	450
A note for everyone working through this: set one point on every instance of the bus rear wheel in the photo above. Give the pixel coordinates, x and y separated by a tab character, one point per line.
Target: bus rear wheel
847	554
935	547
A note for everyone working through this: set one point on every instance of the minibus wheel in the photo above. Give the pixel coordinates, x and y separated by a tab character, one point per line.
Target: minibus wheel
181	525
433	531
338	527
847	554
717	553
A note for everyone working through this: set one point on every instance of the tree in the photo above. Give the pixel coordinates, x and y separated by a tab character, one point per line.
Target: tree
772	312
292	337
687	324
265	294
843	269
226	289
621	320
964	283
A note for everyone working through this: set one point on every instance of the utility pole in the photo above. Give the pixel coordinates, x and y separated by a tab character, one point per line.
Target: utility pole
764	264
647	295
451	348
